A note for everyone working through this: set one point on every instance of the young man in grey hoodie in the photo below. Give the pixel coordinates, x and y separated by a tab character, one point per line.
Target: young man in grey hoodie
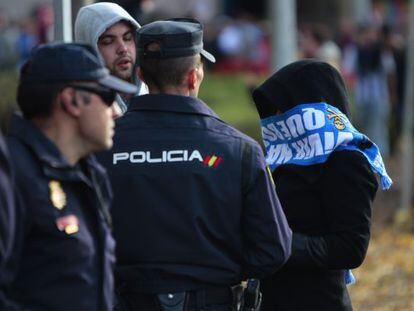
111	31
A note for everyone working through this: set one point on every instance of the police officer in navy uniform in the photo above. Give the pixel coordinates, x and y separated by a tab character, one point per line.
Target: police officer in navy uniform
194	209
64	253
7	214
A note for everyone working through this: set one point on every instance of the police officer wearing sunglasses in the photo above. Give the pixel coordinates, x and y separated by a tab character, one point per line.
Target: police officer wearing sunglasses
64	250
194	210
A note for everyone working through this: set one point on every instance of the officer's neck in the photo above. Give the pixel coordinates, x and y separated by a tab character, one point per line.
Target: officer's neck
172	90
64	136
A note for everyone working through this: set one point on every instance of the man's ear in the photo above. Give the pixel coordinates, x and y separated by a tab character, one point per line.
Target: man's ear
68	102
192	79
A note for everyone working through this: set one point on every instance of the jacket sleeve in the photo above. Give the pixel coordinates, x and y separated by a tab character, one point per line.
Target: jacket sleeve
347	188
266	234
9	268
16	228
7	217
7	225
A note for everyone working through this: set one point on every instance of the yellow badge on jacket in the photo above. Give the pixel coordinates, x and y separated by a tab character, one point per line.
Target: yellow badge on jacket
57	195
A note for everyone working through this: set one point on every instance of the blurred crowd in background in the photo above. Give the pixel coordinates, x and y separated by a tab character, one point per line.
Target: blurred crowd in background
370	53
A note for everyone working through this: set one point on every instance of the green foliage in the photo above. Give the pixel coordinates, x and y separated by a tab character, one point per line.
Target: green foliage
230	98
8	86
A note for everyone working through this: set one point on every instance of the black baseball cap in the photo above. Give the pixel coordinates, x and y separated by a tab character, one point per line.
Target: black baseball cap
69	62
176	37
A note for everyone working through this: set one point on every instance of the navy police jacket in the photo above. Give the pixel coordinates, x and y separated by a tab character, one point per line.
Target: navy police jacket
7	213
64	253
194	205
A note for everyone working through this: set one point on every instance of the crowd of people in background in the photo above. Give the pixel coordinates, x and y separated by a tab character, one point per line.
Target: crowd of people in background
369	55
18	38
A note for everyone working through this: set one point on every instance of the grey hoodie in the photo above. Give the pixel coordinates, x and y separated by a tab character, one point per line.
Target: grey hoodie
93	20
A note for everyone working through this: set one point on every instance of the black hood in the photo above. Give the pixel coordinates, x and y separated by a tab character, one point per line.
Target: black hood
301	82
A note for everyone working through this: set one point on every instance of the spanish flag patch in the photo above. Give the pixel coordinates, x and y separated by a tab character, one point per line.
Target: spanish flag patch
212	160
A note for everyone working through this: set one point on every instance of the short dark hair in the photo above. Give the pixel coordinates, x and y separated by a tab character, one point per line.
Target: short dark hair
36	100
166	71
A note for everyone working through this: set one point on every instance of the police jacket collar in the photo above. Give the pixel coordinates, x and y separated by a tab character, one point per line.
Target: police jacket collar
172	103
53	162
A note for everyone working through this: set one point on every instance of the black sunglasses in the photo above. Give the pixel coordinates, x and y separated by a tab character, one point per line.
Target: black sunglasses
107	95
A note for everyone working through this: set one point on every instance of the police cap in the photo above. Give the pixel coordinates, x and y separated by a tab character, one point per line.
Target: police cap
177	37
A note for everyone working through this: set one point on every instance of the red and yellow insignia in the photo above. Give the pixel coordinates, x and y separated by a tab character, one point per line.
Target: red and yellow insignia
212	161
57	195
69	224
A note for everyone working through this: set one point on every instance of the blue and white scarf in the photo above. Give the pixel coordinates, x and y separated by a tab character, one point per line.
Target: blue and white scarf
307	134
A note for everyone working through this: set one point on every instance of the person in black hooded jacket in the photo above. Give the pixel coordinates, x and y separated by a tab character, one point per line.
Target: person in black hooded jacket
328	205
